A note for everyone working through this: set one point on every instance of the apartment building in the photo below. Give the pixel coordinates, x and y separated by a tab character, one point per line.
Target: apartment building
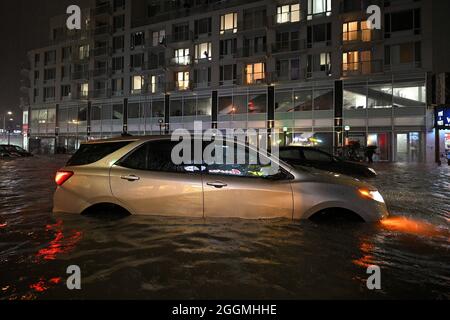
311	70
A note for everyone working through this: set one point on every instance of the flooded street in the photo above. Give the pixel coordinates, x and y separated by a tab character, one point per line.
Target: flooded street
157	258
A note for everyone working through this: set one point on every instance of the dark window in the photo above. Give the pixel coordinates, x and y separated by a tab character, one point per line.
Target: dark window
90	153
153	156
317	156
290	154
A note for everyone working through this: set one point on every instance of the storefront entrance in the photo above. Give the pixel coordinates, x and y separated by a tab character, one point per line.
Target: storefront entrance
408	147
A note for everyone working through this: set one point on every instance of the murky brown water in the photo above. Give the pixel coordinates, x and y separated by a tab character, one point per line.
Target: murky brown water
154	258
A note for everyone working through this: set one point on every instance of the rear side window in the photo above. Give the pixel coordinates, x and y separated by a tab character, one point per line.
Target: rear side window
90	153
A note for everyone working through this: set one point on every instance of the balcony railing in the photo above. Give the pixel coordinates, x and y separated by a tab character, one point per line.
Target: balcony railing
289	46
101	72
280	19
254	78
102	30
102	9
180	37
101	51
318	72
80	75
100	93
362	68
180	61
252	51
357	36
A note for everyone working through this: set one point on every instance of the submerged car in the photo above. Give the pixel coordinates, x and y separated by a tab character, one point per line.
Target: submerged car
136	175
315	158
13	151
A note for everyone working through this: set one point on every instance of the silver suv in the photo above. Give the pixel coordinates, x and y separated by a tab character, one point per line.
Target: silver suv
136	175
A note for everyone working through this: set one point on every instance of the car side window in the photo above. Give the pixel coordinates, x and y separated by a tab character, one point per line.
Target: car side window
290	154
250	168
154	156
316	156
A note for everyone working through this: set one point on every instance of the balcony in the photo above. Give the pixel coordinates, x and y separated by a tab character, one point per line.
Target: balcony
322	71
289	46
155	65
293	75
102	31
252	51
186	36
179	61
282	19
80	75
251	24
257	78
101	51
405	66
362	68
358	36
100	93
103	9
100	72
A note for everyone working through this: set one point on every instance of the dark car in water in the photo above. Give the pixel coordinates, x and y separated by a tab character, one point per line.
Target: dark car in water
13	151
315	158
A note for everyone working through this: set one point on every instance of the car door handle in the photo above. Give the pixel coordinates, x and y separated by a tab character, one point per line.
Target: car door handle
217	184
130	178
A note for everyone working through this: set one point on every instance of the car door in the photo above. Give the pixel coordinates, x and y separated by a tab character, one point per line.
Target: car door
245	191
148	182
291	155
318	159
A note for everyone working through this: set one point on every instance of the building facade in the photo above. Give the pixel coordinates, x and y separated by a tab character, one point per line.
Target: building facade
311	70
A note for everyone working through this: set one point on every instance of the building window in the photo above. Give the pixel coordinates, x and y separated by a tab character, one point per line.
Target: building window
182	57
182	80
401	21
119	23
65	91
255	73
356	31
228	23
117	63
202	27
137	39
319	8
255	18
228	47
117	86
50	57
65	70
202	77
319	63
288	13
319	33
228	74
84	90
288	69
137	84
137	61
158	38
37	58
49	93
83	52
180	32
203	51
357	61
157	83
66	53
403	54
118	43
49	74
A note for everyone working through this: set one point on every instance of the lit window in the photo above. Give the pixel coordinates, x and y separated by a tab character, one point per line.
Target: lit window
288	13
255	73
153	84
137	84
182	80
182	56
228	23
84	90
84	52
159	37
350	31
203	51
318	8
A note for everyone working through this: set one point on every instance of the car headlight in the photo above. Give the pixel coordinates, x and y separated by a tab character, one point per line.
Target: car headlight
370	194
372	170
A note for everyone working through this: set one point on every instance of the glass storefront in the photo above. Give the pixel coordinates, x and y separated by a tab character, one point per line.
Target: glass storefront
408	147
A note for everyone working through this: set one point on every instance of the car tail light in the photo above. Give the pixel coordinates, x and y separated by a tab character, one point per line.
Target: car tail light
62	176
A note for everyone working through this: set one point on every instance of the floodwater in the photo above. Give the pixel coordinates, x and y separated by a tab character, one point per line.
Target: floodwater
157	258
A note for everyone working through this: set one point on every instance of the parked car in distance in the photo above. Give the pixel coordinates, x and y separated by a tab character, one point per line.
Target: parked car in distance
136	175
13	151
315	158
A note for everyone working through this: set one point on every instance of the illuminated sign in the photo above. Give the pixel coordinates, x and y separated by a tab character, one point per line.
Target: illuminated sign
443	117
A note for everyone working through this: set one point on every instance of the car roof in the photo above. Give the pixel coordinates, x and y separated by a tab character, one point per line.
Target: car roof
127	138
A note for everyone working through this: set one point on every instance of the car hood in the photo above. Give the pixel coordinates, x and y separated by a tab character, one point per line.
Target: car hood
315	175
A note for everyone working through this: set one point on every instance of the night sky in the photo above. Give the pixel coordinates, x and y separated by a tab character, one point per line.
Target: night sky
24	25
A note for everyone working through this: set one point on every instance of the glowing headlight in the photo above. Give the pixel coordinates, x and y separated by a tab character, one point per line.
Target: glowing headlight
372	170
374	195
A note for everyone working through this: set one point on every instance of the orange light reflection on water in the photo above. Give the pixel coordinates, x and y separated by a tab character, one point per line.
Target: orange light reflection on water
411	226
